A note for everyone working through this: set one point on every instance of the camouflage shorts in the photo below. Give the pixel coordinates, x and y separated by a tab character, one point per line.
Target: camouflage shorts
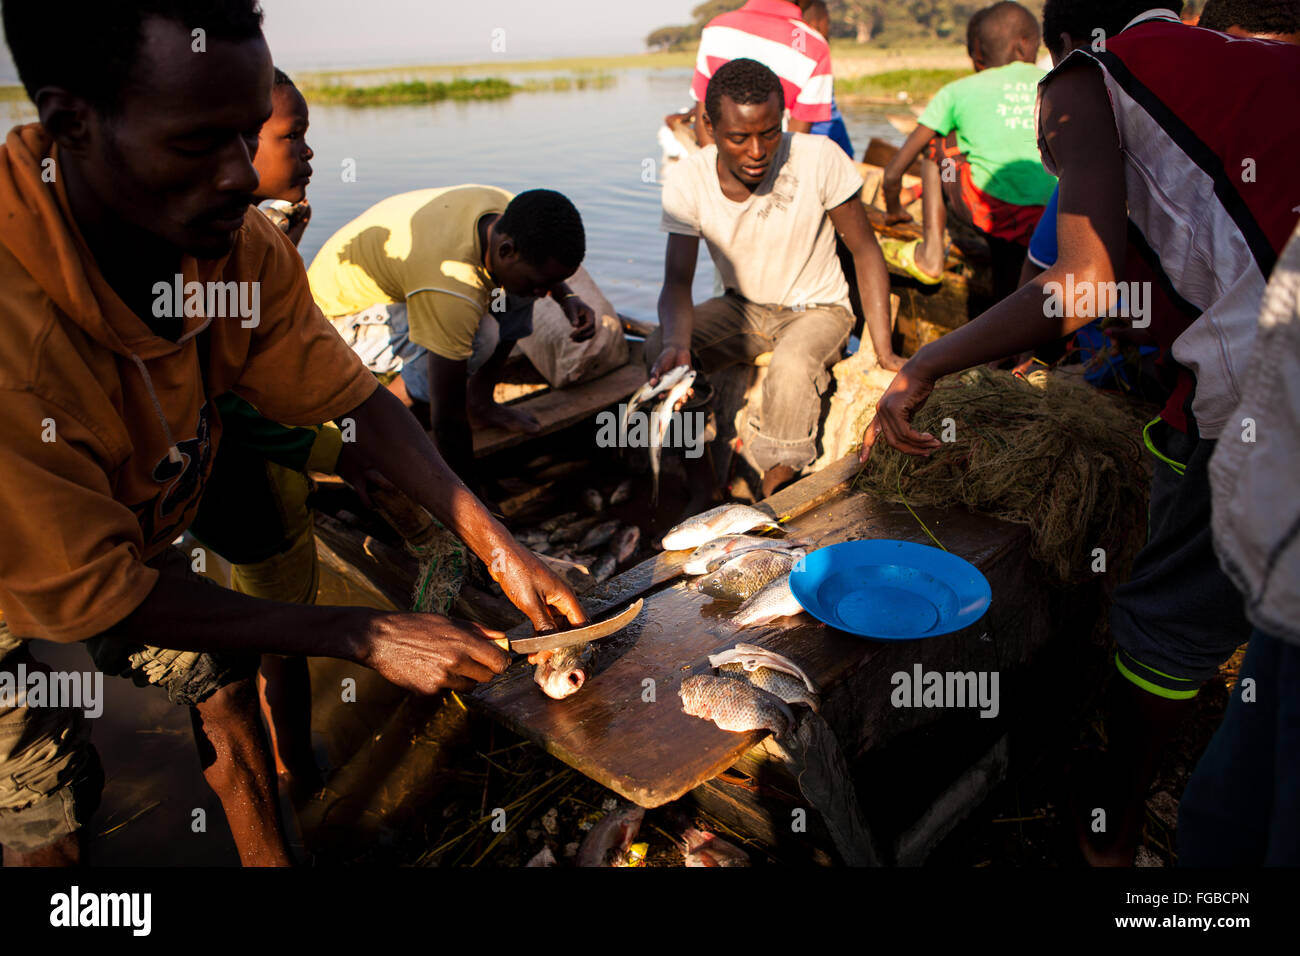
50	775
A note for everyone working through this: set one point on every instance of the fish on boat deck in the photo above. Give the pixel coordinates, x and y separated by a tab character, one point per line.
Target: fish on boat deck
611	837
708	849
724	519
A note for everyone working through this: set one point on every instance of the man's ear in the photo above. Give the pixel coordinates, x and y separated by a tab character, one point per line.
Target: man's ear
67	117
708	121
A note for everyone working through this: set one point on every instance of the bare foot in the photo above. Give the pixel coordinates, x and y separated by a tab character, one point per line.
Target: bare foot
775	478
502	416
64	852
928	260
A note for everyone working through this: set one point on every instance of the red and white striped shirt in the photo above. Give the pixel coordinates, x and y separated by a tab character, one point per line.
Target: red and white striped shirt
773	33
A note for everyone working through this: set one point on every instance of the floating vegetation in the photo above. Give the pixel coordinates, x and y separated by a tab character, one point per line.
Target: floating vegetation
407	92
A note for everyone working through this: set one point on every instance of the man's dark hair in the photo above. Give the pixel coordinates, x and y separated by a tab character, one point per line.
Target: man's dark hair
744	82
282	79
1080	17
1001	28
91	47
1257	16
544	225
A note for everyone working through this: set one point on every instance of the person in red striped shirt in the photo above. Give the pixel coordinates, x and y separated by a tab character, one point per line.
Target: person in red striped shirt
773	33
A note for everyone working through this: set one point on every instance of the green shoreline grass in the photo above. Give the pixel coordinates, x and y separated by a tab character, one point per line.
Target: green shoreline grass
918	84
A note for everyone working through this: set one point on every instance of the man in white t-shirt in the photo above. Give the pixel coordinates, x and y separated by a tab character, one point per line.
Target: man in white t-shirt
768	204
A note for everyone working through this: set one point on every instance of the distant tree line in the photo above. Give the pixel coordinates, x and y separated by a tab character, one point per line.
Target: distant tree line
882	24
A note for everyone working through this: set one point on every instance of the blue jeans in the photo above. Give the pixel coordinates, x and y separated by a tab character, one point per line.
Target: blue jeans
1242	804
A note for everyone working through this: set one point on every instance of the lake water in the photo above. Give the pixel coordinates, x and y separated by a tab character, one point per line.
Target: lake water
592	145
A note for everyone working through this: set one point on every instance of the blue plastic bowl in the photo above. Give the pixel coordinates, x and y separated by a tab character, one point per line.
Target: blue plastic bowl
890	590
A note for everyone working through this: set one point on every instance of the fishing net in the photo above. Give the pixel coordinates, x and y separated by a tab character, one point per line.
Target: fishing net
442	570
1051	453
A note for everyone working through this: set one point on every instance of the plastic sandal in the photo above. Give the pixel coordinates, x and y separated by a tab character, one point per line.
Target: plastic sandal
902	255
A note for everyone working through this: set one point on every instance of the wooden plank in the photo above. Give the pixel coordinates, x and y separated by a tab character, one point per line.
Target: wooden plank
626	729
560	408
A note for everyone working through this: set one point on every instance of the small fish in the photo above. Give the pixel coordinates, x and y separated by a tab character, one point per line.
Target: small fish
775	600
542	547
559	521
744	575
610	839
531	537
563	672
599	534
752	657
625	543
786	686
544	857
585	559
622	493
604	567
724	519
593	501
735	704
661	419
648	391
713	554
708	849
573	531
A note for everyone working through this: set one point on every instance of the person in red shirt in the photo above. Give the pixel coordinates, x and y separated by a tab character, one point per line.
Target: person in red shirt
773	33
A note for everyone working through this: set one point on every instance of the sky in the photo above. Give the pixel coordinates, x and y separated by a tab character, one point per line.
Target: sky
316	34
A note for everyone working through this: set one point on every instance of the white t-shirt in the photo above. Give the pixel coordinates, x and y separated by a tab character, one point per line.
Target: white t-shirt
778	246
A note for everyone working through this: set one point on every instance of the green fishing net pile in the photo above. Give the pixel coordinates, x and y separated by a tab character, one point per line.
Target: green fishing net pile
442	570
1052	453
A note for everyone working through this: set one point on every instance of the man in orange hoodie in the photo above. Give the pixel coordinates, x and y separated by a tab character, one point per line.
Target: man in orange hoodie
136	284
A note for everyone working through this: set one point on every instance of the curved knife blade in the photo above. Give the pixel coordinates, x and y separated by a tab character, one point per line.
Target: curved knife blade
553	640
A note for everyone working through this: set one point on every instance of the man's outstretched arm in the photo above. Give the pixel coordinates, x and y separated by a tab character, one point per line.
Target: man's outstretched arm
390	441
1079	130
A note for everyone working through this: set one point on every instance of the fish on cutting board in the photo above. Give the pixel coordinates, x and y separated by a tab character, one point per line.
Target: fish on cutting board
724	519
713	554
561	673
746	574
735	705
751	657
779	683
774	601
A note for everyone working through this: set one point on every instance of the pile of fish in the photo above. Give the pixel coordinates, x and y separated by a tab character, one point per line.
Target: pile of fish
752	691
673	385
733	565
594	545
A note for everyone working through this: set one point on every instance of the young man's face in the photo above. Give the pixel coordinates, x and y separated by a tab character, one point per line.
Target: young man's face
747	136
283	159
512	272
177	161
